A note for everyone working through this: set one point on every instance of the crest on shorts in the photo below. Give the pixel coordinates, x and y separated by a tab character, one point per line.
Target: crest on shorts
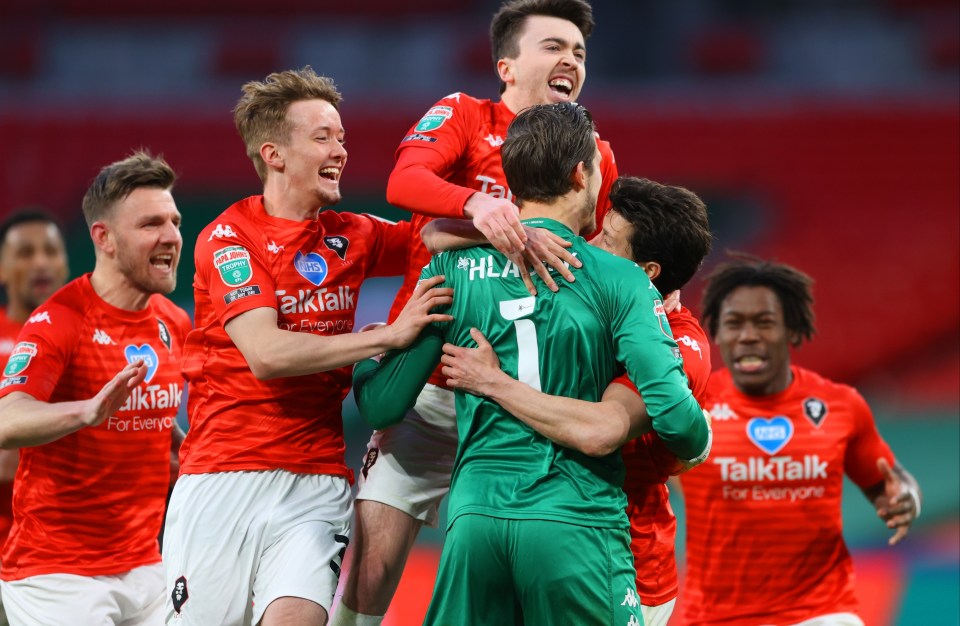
369	459
179	595
816	410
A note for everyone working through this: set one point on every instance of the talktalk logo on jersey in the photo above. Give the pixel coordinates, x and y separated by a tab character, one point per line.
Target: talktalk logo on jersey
316	300
311	266
20	358
492	187
147	354
779	468
770	435
147	398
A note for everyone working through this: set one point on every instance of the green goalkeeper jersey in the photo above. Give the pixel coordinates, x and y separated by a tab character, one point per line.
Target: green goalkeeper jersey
569	343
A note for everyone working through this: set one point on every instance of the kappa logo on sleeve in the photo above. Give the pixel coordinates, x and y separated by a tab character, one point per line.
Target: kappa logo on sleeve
43	316
816	410
233	263
222	232
147	354
20	359
434	119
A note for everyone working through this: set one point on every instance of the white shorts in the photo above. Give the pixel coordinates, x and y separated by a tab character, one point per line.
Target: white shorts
133	598
236	541
833	619
408	465
657	615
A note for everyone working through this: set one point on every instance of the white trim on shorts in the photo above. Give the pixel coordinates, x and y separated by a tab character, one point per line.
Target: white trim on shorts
237	541
657	615
833	619
408	465
133	597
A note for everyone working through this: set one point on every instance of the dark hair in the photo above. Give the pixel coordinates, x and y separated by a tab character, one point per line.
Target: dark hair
670	227
261	113
509	20
543	146
792	287
119	179
25	216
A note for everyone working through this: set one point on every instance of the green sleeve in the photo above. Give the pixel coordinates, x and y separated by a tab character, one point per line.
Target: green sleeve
645	346
385	391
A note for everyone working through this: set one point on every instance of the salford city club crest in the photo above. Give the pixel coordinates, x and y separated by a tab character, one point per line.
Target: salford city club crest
233	263
816	410
338	244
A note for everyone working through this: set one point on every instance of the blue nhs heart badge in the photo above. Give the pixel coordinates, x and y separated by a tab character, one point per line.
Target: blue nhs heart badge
149	356
770	435
311	266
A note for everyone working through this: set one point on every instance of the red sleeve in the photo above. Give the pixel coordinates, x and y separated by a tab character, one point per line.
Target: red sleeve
390	246
695	350
608	172
41	352
428	154
865	446
233	273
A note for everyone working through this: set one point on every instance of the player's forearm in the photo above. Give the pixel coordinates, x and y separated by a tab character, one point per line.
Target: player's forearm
25	421
281	353
450	234
414	186
387	389
684	430
594	428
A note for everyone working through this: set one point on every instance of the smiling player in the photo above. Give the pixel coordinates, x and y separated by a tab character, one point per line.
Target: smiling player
90	396
764	540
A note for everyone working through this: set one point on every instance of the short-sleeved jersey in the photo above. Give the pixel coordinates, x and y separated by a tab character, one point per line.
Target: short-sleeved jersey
91	503
653	526
310	272
8	338
764	526
467	134
566	343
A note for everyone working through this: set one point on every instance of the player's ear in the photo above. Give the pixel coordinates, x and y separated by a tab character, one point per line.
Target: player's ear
100	234
579	176
505	71
652	268
270	154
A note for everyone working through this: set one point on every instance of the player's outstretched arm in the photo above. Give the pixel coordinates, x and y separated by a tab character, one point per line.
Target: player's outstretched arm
26	421
594	428
271	352
543	249
897	499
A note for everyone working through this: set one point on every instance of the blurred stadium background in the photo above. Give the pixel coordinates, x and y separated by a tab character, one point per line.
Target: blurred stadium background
825	133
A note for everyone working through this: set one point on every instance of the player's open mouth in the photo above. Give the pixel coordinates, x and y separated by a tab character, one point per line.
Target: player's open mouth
330	173
749	364
162	261
42	283
562	86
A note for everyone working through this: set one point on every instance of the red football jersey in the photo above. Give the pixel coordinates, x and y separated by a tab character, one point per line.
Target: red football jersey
653	526
459	140
764	527
310	272
8	337
91	503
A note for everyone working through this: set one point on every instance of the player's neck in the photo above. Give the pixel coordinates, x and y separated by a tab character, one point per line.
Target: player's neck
116	290
559	211
287	204
17	312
